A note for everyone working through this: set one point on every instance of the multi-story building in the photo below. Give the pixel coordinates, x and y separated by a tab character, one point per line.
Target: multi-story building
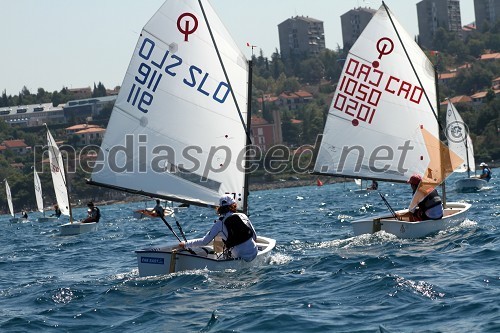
32	115
301	36
18	147
79	111
87	134
265	134
353	23
435	14
486	12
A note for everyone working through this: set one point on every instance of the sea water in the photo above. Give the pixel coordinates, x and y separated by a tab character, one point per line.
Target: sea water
320	278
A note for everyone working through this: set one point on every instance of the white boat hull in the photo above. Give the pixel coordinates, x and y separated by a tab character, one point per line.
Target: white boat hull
18	220
454	214
47	219
469	184
77	228
165	260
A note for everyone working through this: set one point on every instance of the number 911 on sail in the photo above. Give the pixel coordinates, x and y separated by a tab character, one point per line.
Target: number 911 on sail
157	64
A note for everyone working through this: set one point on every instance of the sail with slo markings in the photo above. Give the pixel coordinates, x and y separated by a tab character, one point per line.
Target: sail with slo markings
382	122
58	175
177	130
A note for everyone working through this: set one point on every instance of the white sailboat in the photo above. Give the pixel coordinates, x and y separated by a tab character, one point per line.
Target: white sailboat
363	189
61	190
180	108
11	206
39	199
148	212
460	142
382	124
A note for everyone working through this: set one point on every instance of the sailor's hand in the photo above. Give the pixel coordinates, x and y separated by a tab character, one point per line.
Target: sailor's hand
182	245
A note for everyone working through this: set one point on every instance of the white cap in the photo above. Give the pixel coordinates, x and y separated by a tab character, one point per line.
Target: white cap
483	164
226	200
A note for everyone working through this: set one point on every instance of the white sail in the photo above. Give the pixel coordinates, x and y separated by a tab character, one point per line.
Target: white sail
375	123
9	198
175	131
58	175
382	123
459	140
38	192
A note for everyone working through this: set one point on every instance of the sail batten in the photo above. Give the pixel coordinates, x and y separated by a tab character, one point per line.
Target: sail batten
175	131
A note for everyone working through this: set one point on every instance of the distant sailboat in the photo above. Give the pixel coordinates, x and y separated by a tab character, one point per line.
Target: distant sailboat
11	206
61	190
319	182
39	199
382	124
460	142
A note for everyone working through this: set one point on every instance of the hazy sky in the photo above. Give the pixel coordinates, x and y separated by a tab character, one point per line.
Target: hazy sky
74	43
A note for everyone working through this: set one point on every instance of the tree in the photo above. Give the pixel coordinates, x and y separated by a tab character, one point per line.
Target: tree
312	70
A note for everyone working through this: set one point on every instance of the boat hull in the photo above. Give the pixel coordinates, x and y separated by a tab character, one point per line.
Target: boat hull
165	260
47	219
469	184
18	219
454	214
77	228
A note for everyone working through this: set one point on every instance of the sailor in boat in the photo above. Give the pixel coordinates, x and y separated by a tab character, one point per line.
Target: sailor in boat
373	186
158	210
24	214
486	172
57	212
431	208
235	230
94	214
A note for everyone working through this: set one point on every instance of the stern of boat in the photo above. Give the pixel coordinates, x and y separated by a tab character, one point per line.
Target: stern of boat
454	214
469	184
76	228
169	259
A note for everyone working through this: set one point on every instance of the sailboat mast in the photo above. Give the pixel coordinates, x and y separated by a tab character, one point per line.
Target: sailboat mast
248	141
441	164
467	152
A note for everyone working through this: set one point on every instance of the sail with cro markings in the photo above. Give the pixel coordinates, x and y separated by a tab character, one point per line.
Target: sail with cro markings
382	121
177	130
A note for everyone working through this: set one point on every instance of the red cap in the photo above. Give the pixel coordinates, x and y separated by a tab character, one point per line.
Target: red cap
415	179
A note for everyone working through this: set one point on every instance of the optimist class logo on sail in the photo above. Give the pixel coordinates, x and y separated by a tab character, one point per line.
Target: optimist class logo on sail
362	85
159	63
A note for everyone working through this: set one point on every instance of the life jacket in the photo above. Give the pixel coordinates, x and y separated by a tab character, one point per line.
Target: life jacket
97	214
238	231
431	200
488	173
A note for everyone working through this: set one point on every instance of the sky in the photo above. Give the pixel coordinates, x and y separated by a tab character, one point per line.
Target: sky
53	44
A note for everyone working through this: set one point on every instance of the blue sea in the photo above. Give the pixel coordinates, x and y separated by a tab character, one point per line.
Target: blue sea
320	278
